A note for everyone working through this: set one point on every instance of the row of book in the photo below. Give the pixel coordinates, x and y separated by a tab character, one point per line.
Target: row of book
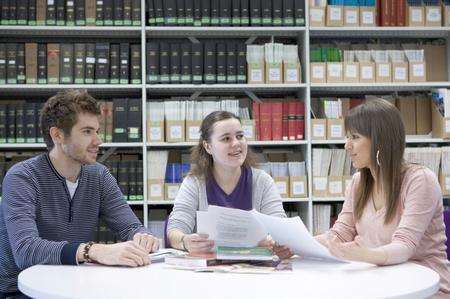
333	65
70	13
127	169
67	63
225	12
19	122
206	62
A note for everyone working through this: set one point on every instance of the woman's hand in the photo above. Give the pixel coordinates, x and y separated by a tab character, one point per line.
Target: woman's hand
197	243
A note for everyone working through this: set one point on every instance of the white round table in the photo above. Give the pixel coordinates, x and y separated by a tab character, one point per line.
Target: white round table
309	279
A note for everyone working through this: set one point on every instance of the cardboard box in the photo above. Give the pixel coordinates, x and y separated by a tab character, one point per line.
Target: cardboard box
335	129
433	16
256	73
417	72
400	72
334	72
367	72
155	131
335	186
423	115
155	189
318	72
335	16
383	72
320	186
274	73
351	16
351	72
367	16
407	107
436	58
175	131
319	129
171	190
317	16
248	126
415	16
446	17
193	130
444	180
298	187
282	184
292	73
440	125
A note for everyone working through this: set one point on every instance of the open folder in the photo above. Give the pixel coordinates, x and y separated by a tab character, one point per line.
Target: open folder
239	228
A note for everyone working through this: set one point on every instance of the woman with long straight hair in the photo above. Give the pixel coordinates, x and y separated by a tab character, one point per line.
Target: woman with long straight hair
222	174
393	210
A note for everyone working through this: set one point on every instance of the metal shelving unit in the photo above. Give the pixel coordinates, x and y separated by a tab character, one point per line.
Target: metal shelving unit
183	31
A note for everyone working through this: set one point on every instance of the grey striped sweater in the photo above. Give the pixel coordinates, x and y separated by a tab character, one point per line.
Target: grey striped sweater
41	224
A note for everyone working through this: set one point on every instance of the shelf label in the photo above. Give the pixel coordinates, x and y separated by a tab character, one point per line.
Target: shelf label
418	70
336	131
351	17
155	190
351	71
335	187
50	2
282	187
175	132
320	183
194	132
318	72
434	14
274	74
256	75
298	188
335	70
335	13
155	134
384	70
367	72
292	75
319	130
416	15
400	73
316	14
367	17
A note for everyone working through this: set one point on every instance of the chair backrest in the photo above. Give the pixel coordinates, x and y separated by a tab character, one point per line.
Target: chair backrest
447	231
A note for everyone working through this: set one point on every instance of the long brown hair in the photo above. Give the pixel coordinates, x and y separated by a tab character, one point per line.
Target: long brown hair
202	162
381	122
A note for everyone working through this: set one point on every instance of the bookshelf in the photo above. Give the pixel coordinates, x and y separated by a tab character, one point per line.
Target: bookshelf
303	35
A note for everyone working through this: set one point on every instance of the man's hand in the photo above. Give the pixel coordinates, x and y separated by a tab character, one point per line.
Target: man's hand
198	243
120	254
146	241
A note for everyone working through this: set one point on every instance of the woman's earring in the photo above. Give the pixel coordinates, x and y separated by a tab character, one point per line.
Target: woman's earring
378	158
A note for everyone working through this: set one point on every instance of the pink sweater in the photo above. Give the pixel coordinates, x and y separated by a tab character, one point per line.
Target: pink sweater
417	232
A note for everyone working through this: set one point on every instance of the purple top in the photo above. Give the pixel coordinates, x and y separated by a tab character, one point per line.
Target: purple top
240	198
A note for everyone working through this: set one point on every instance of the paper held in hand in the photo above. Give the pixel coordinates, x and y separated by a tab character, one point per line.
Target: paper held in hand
239	228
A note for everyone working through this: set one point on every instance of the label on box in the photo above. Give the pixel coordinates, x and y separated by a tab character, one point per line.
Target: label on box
248	131
400	73
155	133
282	187
335	70
175	132
351	17
274	74
155	190
172	192
291	75
384	70
50	2
256	75
367	17
336	131
320	183
316	15
447	126
335	13
418	70
447	183
416	15
335	187
298	188
194	132
367	72
319	130
434	14
318	72
351	71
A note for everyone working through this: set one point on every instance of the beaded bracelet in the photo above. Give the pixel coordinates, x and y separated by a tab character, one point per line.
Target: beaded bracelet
86	252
